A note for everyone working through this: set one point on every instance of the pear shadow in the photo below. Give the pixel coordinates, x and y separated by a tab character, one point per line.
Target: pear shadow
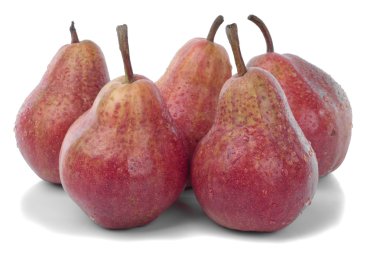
325	212
50	207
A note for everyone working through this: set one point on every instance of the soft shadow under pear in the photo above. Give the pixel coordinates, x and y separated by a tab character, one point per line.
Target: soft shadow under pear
49	206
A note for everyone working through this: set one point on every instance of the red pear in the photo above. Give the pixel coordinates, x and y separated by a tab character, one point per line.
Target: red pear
123	161
254	170
192	82
319	104
68	88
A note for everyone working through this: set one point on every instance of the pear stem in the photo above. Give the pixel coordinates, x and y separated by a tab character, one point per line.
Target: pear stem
74	35
264	31
233	38
122	34
214	28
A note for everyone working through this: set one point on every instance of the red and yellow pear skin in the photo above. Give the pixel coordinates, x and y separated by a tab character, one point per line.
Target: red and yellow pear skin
68	88
123	161
191	86
254	170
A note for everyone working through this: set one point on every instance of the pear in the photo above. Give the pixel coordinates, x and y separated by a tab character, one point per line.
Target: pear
254	170
192	82
319	104
68	88
123	161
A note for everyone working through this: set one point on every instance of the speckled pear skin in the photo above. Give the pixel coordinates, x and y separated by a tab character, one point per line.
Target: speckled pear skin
191	86
123	161
254	170
319	104
68	88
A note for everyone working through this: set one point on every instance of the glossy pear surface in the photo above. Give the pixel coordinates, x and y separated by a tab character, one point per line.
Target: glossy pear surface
254	170
123	161
68	88
318	103
191	86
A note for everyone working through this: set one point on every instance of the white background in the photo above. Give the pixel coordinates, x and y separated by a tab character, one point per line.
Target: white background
341	37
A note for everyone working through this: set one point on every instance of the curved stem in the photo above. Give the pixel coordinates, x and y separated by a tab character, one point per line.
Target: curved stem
122	34
214	28
233	38
74	35
265	32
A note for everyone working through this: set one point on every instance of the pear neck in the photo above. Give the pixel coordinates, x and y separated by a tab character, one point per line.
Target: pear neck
237	110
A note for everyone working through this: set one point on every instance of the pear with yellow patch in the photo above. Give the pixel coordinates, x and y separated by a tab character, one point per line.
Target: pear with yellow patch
117	159
254	170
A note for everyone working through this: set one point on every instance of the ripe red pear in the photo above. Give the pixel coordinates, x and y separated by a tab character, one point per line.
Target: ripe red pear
192	82
319	104
254	170
68	88
123	161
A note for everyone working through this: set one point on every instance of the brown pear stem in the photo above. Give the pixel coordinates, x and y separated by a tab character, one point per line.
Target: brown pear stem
74	35
122	34
233	38
214	28
264	31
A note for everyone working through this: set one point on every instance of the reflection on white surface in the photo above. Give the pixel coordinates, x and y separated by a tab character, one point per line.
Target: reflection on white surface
49	206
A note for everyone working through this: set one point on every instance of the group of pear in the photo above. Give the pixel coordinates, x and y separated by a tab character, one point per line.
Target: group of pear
252	145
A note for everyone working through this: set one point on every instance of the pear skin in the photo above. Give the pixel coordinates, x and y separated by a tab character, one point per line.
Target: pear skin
68	88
